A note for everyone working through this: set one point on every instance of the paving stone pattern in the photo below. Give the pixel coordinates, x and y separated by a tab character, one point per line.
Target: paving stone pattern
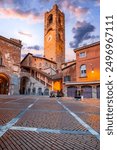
46	125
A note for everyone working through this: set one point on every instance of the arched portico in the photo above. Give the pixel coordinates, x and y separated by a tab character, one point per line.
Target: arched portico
4	84
23	85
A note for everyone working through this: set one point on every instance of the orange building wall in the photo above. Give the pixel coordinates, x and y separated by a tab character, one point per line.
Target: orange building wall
70	71
92	62
57	85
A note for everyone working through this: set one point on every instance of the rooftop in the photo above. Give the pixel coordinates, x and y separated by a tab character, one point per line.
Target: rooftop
87	46
15	42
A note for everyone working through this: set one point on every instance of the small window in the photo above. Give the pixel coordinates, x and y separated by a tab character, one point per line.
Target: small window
67	78
82	54
83	70
60	20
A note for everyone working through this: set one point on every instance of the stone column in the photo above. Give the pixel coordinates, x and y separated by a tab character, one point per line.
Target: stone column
65	90
11	89
94	92
45	81
52	86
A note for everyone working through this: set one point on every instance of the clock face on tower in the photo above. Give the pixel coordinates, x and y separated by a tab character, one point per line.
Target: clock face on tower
49	38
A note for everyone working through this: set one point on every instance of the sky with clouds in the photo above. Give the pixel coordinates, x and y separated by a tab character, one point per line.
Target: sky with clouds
24	20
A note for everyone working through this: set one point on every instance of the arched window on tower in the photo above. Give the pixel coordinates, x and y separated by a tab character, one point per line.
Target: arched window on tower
50	19
0	59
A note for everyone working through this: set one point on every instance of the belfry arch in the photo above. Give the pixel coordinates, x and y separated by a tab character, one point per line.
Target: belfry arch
4	84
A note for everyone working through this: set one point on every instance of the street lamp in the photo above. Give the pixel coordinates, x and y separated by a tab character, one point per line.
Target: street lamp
92	68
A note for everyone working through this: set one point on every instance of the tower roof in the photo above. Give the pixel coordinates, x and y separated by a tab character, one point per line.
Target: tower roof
55	6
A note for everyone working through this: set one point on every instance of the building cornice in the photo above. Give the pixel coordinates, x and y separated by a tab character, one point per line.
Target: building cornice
12	41
82	83
38	58
69	66
87	46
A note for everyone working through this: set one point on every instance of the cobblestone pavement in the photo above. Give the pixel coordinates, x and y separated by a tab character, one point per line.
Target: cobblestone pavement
42	123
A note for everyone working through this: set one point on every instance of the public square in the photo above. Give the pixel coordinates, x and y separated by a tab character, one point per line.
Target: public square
43	123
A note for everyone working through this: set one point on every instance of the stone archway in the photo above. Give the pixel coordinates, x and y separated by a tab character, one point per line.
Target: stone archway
23	85
40	91
46	92
4	84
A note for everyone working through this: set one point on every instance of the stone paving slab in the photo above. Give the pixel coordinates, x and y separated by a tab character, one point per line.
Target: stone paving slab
6	99
23	140
19	99
91	119
88	110
90	101
82	108
47	106
51	120
25	100
14	105
46	125
7	115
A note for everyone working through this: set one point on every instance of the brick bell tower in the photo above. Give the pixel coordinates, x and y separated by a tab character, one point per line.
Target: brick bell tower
54	35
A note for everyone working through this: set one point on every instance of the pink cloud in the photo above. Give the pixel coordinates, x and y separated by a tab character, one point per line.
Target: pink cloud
25	34
77	11
18	14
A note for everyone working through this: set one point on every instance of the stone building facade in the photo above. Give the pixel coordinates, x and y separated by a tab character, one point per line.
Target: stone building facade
10	54
38	62
39	75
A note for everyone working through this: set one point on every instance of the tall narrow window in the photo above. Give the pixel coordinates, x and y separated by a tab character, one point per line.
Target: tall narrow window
50	19
0	59
83	71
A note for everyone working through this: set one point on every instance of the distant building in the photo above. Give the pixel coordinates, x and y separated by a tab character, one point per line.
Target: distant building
39	76
87	72
10	54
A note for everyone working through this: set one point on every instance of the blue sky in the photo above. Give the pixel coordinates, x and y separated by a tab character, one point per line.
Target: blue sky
24	20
